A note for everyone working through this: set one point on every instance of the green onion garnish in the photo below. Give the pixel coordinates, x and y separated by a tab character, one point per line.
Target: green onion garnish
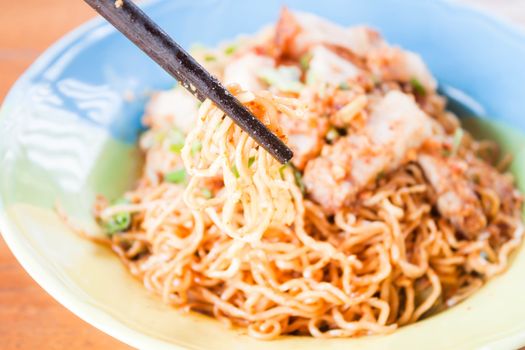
283	78
196	147
176	137
177	176
230	49
304	61
209	57
417	86
235	171
206	193
456	143
251	160
281	170
299	179
118	222
344	86
176	148
296	174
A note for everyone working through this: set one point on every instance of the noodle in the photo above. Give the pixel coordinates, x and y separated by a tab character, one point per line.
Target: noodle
241	239
226	151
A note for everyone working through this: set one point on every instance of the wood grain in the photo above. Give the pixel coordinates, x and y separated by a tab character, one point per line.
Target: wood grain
29	317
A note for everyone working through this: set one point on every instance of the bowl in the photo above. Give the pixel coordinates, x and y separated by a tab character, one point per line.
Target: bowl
68	130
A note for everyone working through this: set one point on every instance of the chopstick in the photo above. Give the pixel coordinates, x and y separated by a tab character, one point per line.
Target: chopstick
131	21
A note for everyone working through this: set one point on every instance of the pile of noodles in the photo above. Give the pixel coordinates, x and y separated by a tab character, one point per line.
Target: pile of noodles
239	240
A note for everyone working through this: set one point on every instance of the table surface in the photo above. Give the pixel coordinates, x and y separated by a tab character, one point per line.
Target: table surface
29	317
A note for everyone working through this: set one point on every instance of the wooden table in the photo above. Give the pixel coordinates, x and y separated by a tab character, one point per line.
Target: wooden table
30	318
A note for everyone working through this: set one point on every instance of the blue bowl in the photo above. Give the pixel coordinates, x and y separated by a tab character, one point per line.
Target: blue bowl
68	129
468	50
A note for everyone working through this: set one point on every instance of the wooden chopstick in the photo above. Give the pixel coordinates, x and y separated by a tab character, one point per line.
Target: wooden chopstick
131	21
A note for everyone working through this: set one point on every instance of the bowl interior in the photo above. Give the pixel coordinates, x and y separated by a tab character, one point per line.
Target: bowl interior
68	130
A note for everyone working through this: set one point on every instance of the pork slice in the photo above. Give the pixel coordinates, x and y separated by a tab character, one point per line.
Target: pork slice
396	125
245	69
175	107
395	64
456	200
305	138
501	183
297	32
328	67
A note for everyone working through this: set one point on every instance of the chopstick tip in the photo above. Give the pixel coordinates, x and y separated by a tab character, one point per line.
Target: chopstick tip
284	155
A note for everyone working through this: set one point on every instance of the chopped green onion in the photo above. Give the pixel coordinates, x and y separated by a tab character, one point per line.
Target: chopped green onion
230	49
281	170
456	143
206	193
118	222
380	176
251	161
344	86
196	147
299	179
235	171
304	61
176	148
417	86
210	57
176	176
120	200
176	137
283	78
446	152
297	176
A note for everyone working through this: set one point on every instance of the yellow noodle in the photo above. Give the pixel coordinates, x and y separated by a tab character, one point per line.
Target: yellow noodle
260	255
